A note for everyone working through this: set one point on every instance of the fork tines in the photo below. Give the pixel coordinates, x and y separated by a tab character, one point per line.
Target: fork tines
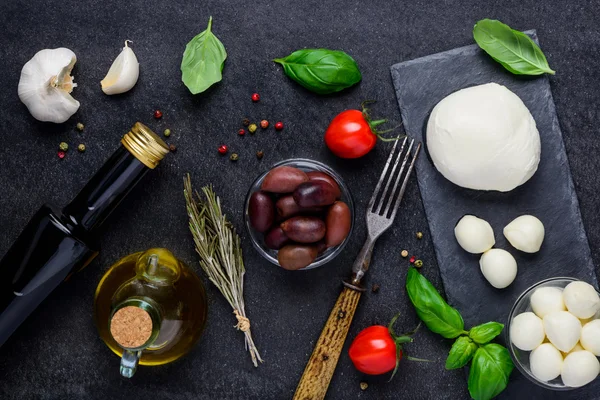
392	198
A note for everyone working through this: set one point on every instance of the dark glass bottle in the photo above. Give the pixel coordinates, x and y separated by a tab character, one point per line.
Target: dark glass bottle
56	243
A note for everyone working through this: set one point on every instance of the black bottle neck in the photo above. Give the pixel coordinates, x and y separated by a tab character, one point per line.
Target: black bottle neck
107	188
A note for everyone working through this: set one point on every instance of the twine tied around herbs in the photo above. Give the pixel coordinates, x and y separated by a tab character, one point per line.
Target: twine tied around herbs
243	322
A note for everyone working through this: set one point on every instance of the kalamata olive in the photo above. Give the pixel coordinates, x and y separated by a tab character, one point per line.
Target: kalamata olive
296	256
261	211
283	179
314	194
276	238
314	176
338	221
304	229
287	207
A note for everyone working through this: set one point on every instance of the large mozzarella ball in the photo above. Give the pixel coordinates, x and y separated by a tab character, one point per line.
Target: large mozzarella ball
563	330
484	138
525	233
545	300
499	267
474	235
527	331
581	299
590	337
545	362
580	368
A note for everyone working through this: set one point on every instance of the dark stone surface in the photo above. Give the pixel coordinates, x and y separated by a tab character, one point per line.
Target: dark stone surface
549	195
56	354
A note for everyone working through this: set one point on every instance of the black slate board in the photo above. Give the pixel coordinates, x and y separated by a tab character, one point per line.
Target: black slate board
550	195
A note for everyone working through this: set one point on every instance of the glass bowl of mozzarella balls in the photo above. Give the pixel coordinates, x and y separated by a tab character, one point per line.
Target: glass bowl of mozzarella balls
554	333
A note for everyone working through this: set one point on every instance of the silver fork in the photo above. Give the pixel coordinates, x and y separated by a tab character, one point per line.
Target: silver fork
380	218
381	212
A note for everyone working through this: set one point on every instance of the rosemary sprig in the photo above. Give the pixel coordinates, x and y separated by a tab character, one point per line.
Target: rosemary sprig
218	246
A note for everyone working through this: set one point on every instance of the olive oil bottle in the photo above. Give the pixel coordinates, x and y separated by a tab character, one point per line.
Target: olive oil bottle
150	309
58	242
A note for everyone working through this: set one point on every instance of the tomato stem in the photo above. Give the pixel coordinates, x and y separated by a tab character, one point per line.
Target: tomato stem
374	124
400	340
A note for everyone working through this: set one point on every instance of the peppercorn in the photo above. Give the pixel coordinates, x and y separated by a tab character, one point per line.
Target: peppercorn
167	132
222	149
241	132
245	122
61	154
364	385
158	114
79	126
252	128
234	157
418	263
412	259
278	126
404	253
260	154
81	148
264	124
255	97
63	146
375	288
172	147
419	235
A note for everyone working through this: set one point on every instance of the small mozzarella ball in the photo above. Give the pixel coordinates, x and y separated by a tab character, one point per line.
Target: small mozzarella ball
545	362
527	331
563	329
474	235
579	368
590	337
545	300
525	233
574	349
581	299
499	267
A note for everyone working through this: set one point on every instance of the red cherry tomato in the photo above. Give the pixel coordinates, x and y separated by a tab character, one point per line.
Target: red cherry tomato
352	133
349	135
373	351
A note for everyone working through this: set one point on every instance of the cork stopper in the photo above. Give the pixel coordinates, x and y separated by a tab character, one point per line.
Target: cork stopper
131	327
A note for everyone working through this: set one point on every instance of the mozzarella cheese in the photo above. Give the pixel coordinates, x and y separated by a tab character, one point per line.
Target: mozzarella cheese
484	138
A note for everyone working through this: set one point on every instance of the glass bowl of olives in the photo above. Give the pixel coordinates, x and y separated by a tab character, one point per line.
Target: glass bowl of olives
299	214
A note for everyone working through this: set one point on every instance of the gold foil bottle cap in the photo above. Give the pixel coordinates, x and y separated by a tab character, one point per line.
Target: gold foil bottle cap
145	145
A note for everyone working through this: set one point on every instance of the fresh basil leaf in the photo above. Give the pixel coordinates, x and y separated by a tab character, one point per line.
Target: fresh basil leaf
322	71
431	308
461	353
203	61
485	332
513	49
489	372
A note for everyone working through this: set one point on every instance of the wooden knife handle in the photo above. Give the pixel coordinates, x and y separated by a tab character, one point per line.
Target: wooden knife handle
321	365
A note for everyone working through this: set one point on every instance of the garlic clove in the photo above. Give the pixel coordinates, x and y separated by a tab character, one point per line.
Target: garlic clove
525	233
123	73
46	83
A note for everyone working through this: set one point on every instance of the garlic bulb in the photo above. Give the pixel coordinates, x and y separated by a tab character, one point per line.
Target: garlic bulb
123	73
45	85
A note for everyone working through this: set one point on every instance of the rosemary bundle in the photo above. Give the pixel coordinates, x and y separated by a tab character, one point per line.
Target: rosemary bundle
218	246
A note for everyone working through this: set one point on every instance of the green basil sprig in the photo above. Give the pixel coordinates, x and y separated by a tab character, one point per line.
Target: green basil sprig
489	372
322	71
203	61
461	353
511	48
431	307
485	332
491	364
